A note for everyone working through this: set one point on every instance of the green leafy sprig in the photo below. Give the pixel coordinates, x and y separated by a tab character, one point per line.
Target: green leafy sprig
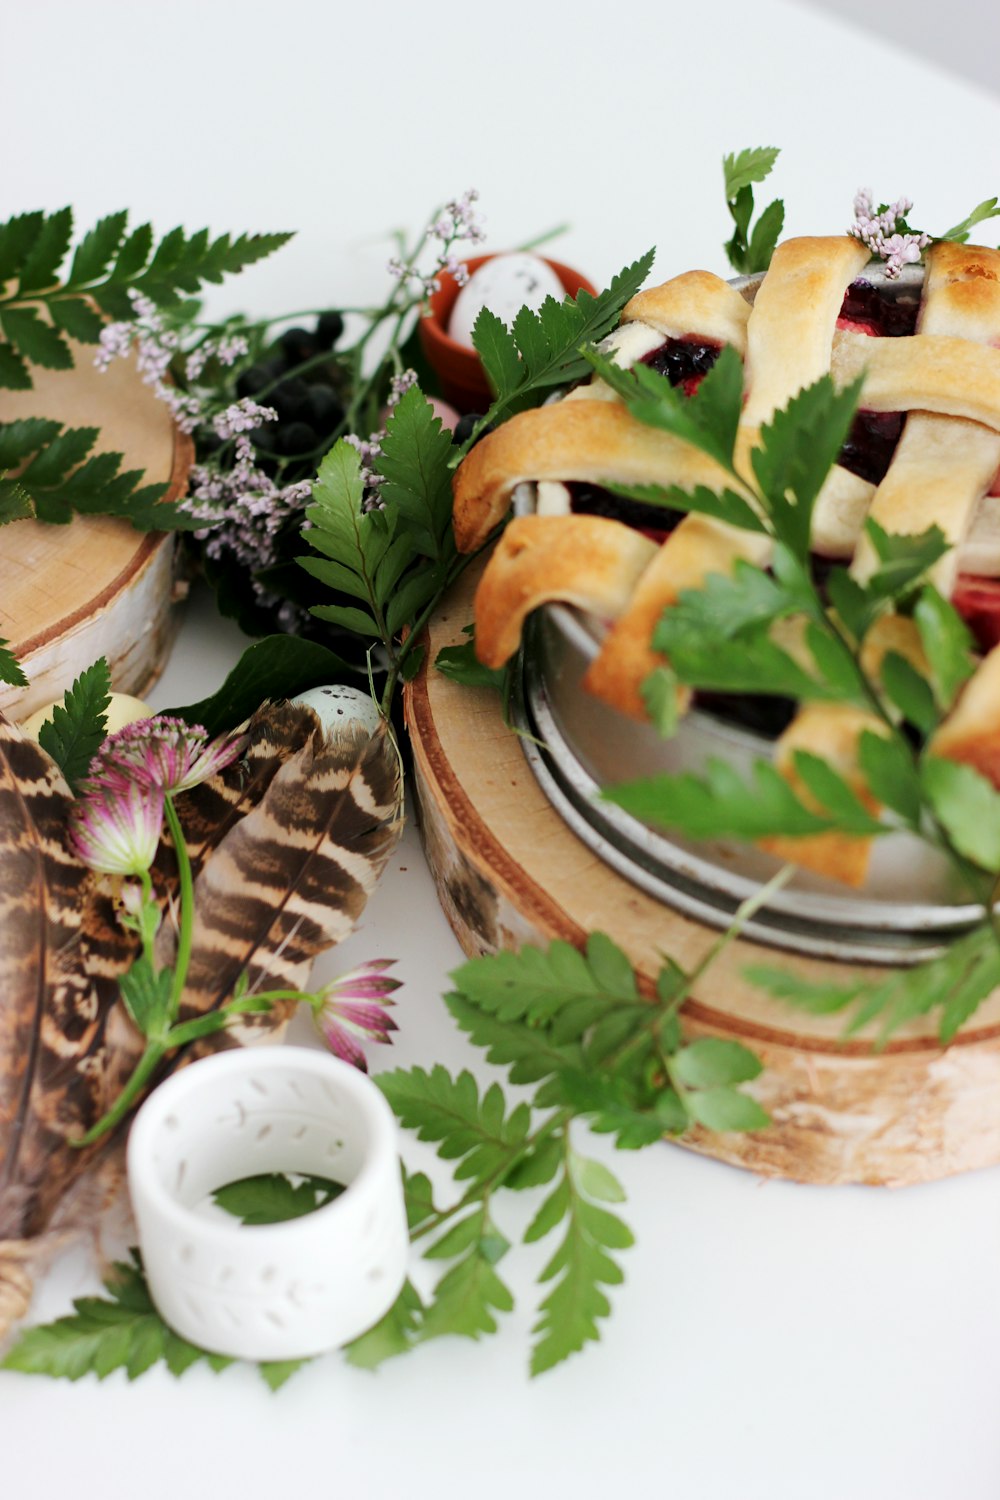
777	633
752	245
108	262
574	1027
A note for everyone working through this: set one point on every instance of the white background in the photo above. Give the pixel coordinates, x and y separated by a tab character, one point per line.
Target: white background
770	1340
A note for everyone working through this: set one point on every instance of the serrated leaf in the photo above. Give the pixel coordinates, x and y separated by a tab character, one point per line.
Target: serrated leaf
890	775
276	1372
660	694
903	557
35	339
463	1234
988	209
968	806
77	318
414	461
764	237
726	1109
552	337
48	251
742	168
797	449
910	693
460	664
723	505
419	1197
466	1298
449	1111
527	1051
97	249
612	1109
832	792
78	725
273	1197
581	1266
17	236
552	1212
14	374
947	643
712	1060
393	1334
721	803
10	668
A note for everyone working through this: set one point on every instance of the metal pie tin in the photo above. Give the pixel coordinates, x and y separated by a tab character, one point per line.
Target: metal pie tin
908	907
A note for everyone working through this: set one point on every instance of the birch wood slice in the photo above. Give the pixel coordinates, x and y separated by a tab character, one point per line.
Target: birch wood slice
96	587
509	871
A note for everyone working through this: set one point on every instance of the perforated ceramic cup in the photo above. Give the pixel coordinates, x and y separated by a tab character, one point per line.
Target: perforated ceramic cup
274	1291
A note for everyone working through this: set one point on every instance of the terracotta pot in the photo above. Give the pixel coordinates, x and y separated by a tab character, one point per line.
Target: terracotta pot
463	381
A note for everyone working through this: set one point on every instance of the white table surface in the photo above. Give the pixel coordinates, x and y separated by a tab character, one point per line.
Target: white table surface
770	1339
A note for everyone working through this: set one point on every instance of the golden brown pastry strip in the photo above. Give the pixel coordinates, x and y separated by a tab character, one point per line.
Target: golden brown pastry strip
582	560
696	305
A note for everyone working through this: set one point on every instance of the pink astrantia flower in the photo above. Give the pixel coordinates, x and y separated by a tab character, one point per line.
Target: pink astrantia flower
115	826
353	1007
164	752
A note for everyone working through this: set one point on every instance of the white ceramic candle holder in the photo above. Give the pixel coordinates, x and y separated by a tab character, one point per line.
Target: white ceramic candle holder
273	1291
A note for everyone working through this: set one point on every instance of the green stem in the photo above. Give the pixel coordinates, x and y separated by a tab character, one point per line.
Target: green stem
144	1070
482	1190
186	904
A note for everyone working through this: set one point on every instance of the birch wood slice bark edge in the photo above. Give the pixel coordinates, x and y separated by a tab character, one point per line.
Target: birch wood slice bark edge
95	587
508	871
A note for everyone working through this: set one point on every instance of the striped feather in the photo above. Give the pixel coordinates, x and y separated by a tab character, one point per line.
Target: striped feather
292	877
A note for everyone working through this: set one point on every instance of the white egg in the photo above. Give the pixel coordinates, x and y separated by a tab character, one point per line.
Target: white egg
342	708
504	284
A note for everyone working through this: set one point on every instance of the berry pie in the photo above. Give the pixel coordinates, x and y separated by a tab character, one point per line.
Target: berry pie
924	449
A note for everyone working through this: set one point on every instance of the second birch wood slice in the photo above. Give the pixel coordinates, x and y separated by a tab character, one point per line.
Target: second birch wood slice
508	871
95	587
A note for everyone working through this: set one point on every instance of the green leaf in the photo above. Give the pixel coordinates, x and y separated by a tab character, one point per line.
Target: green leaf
77	318
988	209
765	236
419	1195
712	1061
59	483
395	1332
830	789
36	340
947	644
891	776
97	249
122	1331
726	1109
76	730
147	996
467	1297
14	374
478	1133
797	450
527	1050
723	505
908	691
41	265
581	1267
742	168
274	1197
707	420
10	667
612	1108
277	1371
414	460
721	804
278	666
968	806
17	236
595	1181
460	664
459	1237
904	557
543	349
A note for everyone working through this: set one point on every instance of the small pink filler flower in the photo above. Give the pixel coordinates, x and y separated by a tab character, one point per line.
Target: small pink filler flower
348	1008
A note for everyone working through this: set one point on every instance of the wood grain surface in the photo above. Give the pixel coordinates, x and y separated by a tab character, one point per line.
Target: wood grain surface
509	871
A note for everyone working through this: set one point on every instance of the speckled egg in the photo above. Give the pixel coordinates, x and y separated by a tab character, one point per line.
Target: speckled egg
504	284
342	708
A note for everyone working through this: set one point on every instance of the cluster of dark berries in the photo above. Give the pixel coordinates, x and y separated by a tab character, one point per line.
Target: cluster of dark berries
301	383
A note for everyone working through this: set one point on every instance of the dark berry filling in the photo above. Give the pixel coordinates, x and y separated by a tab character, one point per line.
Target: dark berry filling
871	444
684	362
657	521
888	315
